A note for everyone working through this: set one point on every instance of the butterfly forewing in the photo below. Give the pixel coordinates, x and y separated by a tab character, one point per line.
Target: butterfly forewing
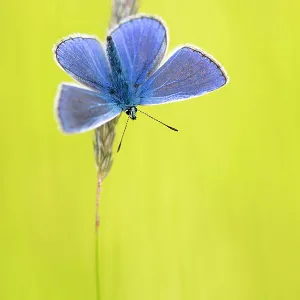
84	59
188	73
141	43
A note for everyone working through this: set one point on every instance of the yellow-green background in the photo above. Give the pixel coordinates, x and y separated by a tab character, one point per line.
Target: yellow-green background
208	213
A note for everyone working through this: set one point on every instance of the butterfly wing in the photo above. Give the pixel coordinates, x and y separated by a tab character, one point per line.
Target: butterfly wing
188	73
141	43
79	110
84	59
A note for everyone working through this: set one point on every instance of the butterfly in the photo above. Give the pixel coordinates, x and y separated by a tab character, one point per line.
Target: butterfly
128	74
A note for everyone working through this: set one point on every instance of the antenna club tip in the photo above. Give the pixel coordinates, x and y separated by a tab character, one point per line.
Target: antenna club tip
170	127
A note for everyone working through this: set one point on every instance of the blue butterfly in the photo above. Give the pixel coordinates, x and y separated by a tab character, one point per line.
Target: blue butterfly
128	74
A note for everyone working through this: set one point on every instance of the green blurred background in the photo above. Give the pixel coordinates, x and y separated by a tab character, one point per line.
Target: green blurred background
210	212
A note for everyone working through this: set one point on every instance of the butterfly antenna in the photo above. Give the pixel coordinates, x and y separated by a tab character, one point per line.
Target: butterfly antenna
119	147
170	127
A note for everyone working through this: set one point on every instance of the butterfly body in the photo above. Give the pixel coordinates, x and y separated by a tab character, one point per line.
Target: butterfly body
128	74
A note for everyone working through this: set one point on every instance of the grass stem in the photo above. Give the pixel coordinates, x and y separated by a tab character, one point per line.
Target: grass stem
97	223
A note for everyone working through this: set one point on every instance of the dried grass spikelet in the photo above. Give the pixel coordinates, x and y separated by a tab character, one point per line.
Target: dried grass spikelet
104	135
103	142
122	9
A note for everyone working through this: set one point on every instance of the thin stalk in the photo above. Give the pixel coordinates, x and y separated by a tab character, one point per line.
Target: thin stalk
105	135
98	193
97	267
97	223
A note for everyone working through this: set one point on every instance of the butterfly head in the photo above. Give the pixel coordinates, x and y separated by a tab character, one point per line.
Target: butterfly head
131	112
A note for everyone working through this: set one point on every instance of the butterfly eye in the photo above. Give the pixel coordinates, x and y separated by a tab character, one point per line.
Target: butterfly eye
131	111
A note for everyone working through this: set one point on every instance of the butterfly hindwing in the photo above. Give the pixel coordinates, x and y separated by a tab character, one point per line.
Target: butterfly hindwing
84	59
141	43
188	73
79	110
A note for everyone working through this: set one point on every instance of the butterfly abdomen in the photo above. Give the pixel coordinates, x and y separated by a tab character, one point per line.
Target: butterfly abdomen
120	89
